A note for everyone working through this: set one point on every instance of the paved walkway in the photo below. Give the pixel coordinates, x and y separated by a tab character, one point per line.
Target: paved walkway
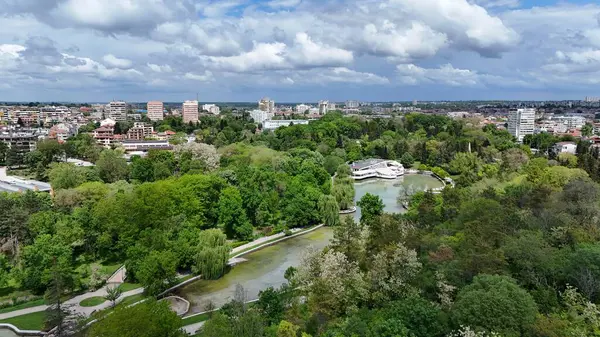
73	303
193	328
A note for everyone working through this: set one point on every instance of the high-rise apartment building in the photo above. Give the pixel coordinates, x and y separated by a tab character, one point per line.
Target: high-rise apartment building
521	122
155	110
323	107
352	104
117	111
190	111
302	108
266	104
260	116
211	108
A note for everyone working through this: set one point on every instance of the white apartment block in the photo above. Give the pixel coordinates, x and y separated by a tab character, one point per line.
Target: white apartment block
521	122
211	108
274	124
323	107
260	116
352	104
155	110
266	104
118	111
301	108
190	111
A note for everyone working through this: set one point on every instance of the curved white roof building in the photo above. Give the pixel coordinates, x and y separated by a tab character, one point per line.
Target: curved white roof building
376	168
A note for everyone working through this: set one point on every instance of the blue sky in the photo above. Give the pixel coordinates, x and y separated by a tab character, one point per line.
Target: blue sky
298	50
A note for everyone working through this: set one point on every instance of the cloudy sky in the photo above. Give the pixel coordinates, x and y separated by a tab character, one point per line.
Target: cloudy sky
298	50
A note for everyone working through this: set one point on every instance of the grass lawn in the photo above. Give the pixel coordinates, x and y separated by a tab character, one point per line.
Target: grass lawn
197	318
129	286
34	321
92	301
109	269
23	306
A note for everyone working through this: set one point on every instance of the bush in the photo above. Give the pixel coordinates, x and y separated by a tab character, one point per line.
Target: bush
424	167
440	172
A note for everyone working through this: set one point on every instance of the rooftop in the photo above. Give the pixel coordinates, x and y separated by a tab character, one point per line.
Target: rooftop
366	163
17	184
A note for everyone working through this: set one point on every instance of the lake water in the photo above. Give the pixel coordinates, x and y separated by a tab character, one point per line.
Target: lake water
266	268
388	190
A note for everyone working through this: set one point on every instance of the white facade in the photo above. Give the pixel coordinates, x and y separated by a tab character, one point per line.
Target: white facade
266	104
211	108
352	104
376	168
565	147
323	107
260	116
190	111
118	111
301	108
521	122
274	124
155	110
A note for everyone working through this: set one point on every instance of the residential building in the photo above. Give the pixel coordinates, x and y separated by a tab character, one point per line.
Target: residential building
589	99
108	123
323	107
117	111
332	106
565	147
267	105
376	168
145	145
352	104
302	108
104	135
521	122
274	124
260	116
155	110
190	111
21	141
140	131
211	108
61	132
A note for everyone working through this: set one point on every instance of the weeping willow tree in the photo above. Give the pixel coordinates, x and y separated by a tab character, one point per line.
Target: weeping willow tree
213	253
343	191
330	211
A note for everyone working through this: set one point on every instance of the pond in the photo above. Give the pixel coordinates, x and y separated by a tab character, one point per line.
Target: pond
388	190
264	268
7	333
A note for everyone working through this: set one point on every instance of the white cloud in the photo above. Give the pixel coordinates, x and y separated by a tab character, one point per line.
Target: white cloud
446	74
9	56
87	66
283	3
575	62
207	76
160	69
388	40
308	53
112	15
114	62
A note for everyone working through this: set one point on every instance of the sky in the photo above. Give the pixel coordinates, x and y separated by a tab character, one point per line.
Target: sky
298	50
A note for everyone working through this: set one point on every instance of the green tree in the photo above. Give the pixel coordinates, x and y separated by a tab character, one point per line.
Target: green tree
39	260
332	163
587	130
495	303
213	254
147	319
232	216
407	160
157	271
371	207
330	211
113	294
64	176
112	167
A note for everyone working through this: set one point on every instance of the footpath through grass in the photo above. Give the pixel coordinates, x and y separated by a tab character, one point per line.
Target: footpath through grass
23	306
33	321
92	301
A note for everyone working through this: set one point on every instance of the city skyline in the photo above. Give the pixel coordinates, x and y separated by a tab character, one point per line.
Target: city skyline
299	50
